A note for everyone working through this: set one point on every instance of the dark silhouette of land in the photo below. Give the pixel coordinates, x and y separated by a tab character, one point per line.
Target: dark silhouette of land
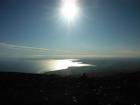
33	89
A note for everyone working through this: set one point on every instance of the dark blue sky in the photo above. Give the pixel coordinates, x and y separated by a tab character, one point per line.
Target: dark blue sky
103	27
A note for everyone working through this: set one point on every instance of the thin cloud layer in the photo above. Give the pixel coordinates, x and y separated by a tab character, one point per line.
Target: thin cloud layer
35	51
13	46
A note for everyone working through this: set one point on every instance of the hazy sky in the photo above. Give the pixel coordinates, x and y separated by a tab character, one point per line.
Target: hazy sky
102	27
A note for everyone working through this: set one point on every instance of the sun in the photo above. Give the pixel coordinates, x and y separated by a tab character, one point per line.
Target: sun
69	9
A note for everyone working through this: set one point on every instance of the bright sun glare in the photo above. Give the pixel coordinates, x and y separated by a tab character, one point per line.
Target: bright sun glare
54	65
69	9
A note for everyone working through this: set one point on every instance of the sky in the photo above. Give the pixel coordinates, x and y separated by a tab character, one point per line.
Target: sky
36	28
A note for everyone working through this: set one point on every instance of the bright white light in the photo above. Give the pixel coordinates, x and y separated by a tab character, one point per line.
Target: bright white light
54	65
69	9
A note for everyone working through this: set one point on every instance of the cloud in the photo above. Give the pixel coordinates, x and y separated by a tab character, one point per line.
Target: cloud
20	47
13	46
14	49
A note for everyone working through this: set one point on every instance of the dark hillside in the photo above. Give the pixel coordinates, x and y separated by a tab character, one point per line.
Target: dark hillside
21	88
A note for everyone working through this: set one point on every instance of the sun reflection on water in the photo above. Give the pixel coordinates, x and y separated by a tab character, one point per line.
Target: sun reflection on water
61	64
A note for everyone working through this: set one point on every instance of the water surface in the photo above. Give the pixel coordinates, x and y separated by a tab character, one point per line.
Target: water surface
97	66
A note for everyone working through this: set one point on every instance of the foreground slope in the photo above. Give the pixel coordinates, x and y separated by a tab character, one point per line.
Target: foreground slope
21	88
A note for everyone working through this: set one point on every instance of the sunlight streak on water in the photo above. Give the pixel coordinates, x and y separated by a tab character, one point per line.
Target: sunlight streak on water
61	64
